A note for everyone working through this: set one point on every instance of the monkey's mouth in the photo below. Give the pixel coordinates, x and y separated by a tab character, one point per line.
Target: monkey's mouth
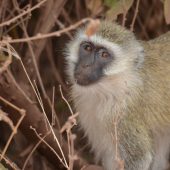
85	77
79	80
83	80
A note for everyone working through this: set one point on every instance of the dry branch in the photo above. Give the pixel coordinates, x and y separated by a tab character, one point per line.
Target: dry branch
52	34
46	22
7	61
5	118
14	128
33	117
135	15
22	14
10	163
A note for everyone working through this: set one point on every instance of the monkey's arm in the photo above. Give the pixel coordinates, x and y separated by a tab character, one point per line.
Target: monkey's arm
135	143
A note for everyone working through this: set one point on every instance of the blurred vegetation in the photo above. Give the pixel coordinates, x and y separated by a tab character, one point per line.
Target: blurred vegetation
45	64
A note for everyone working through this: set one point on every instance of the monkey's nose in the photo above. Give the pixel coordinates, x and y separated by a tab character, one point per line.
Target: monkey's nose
85	65
77	75
81	78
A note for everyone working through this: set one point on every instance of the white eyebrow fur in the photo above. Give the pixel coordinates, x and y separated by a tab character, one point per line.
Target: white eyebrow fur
96	39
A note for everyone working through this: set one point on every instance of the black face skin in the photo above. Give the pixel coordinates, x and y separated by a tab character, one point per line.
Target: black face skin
92	61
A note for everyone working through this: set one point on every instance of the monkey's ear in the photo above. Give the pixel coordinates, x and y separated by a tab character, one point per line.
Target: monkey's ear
92	27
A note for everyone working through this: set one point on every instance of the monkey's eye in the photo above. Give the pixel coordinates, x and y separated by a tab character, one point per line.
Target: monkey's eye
88	47
105	55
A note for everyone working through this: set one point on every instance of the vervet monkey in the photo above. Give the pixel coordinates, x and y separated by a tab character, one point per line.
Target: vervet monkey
121	89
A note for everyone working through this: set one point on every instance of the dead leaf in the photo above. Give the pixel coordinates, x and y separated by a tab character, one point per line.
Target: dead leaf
167	11
117	7
92	27
5	61
2	167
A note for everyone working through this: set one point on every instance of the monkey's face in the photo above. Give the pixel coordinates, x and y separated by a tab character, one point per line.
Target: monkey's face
99	57
92	60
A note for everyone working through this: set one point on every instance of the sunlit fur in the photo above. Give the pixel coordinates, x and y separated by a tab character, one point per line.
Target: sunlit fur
136	89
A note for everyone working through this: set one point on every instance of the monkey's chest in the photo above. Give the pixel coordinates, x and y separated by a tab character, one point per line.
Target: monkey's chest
96	130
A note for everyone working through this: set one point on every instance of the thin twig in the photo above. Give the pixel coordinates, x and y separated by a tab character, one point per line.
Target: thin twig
53	67
36	67
135	15
49	147
67	127
70	138
52	108
33	59
15	25
33	150
71	111
119	161
62	26
55	138
22	14
41	104
22	113
69	123
5	118
69	147
53	34
18	87
124	13
10	163
8	61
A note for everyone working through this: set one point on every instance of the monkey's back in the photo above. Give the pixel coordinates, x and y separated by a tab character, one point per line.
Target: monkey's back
156	72
149	113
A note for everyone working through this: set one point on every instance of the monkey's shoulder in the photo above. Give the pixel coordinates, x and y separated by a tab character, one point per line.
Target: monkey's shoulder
157	53
164	38
157	62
